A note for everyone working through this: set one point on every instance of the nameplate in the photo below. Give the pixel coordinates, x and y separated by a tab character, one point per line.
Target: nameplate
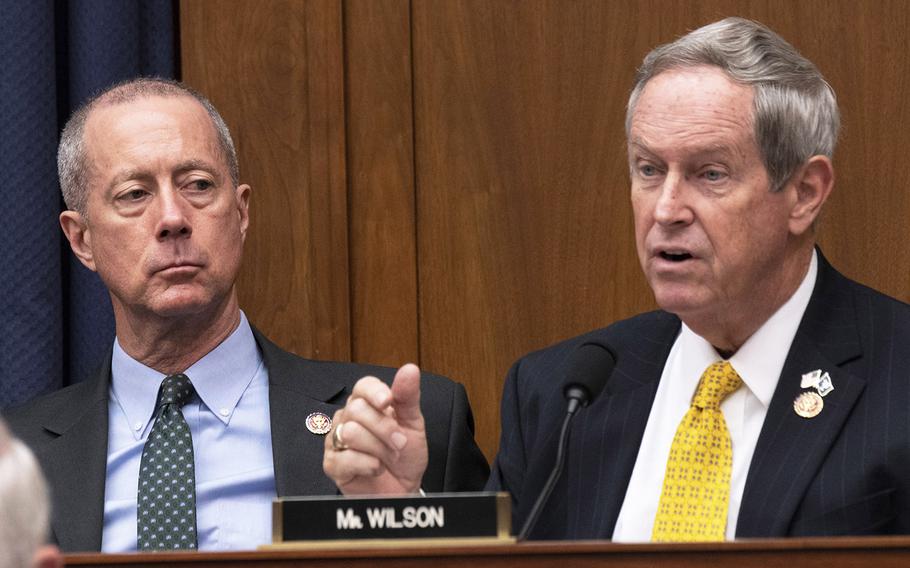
439	515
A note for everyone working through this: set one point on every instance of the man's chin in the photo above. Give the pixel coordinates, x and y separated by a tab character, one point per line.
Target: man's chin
183	305
681	302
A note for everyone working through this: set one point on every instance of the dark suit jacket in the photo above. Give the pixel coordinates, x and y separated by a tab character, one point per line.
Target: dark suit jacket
844	472
68	431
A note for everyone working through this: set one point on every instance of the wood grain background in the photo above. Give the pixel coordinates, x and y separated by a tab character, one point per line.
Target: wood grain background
444	181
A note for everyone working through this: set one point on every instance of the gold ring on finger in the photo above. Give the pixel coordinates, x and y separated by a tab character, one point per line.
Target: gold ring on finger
337	441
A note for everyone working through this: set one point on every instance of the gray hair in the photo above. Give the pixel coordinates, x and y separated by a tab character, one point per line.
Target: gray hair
72	161
795	113
24	504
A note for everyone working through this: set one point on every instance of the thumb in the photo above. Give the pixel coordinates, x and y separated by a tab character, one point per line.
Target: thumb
406	396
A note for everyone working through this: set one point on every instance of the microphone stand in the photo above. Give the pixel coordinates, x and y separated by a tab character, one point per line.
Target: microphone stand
574	404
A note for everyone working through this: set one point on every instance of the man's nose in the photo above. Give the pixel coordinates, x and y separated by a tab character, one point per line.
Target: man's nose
672	207
174	221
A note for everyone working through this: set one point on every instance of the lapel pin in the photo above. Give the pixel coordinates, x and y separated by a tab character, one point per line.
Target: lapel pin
825	384
811	379
319	423
808	404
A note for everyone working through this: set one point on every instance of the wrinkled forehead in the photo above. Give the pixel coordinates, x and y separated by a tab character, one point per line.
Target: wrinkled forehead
698	104
141	128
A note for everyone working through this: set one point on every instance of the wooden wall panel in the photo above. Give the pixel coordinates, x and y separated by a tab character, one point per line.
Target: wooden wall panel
864	50
524	222
524	227
377	38
275	71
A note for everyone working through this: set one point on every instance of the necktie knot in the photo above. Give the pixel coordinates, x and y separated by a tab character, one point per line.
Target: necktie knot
717	382
175	389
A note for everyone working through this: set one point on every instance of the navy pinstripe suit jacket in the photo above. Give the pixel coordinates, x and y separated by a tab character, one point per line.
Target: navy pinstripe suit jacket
844	472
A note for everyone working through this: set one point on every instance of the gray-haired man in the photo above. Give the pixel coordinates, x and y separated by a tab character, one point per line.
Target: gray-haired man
768	396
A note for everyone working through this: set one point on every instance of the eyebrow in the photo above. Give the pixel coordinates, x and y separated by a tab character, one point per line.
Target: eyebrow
638	144
126	175
697	151
197	165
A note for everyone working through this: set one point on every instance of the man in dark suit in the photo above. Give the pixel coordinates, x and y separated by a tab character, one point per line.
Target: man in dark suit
150	176
768	396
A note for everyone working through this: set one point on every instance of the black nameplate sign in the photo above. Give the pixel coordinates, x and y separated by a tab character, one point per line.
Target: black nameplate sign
440	515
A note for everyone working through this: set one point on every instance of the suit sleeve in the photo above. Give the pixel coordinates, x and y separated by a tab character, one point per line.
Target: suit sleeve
455	461
466	466
511	463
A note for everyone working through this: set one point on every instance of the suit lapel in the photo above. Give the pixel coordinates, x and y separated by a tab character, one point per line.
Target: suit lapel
790	448
295	393
607	435
76	465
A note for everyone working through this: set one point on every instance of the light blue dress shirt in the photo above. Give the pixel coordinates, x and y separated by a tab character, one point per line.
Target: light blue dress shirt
229	420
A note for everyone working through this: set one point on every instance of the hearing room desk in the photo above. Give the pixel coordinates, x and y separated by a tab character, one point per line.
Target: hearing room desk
881	552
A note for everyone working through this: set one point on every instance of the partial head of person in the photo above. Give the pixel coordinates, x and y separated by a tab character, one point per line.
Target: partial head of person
149	174
731	134
24	508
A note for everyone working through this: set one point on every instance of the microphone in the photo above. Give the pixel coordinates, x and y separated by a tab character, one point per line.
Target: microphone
590	366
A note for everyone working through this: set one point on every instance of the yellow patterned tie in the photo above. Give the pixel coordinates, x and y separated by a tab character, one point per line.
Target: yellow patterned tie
696	494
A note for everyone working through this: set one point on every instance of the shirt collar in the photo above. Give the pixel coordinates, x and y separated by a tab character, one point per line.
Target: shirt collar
220	378
760	360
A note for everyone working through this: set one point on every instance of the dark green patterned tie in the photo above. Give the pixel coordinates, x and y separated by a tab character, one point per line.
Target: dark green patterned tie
166	507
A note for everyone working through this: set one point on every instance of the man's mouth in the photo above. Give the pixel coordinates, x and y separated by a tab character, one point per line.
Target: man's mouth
674	256
181	265
177	267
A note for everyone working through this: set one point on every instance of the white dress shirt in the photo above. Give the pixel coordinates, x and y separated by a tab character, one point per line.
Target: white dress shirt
759	363
232	445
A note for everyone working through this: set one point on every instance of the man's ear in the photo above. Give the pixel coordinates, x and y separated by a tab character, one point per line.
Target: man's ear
79	235
242	194
813	184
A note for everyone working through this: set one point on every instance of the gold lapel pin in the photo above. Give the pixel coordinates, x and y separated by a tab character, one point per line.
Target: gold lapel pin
319	423
808	404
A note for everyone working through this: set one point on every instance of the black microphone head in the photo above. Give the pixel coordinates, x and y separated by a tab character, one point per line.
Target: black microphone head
590	366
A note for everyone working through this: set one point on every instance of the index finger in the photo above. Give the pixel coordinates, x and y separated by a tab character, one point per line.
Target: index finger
373	391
